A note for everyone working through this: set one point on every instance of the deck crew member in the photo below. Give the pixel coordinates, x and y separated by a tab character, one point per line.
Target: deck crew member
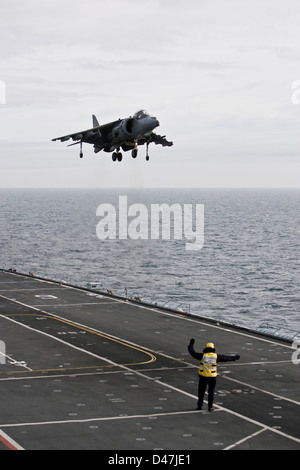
208	371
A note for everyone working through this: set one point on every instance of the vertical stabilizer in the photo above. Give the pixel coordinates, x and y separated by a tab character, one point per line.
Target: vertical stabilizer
95	122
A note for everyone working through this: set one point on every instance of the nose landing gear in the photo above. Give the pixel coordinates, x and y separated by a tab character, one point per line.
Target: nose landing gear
117	156
134	153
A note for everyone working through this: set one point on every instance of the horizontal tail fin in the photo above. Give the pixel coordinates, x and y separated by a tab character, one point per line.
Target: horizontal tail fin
95	122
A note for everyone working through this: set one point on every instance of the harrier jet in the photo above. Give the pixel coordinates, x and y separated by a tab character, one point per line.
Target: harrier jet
125	133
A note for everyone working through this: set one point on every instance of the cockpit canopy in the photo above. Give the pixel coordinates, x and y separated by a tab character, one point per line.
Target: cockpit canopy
141	114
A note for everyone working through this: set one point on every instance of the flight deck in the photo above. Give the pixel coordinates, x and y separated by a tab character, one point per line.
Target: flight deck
80	369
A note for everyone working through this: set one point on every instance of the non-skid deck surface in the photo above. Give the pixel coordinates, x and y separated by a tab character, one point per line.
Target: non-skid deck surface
80	370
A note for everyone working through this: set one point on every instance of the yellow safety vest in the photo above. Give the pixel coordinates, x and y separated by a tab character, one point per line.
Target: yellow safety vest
208	365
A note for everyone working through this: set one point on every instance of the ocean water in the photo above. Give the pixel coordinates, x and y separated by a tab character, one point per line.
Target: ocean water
246	273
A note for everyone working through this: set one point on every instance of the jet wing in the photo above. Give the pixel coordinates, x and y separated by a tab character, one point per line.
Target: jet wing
160	139
157	139
95	134
77	135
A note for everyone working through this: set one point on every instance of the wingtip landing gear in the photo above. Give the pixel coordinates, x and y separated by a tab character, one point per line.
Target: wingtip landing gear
81	152
147	151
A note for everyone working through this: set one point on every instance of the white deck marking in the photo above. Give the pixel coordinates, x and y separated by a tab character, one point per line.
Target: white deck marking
241	441
143	375
9	442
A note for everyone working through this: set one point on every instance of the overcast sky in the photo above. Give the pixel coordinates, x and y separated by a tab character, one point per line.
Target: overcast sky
217	74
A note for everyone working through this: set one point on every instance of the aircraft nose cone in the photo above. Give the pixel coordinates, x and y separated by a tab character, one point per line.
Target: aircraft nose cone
155	122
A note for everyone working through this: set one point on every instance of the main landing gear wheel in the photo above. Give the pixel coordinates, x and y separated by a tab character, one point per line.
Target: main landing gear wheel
134	153
117	156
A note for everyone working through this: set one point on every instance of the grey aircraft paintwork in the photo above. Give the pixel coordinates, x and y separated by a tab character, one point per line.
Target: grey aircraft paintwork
125	133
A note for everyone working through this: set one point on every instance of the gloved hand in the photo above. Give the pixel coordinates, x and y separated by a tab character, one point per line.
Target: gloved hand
192	341
237	356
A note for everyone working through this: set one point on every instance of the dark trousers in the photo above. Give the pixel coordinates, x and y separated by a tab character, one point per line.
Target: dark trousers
204	382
